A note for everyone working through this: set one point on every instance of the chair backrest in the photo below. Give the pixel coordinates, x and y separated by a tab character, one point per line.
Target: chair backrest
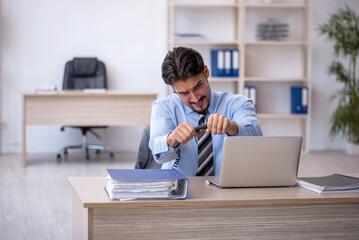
145	158
81	73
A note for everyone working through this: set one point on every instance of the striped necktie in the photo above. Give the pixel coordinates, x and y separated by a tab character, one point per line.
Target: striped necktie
205	152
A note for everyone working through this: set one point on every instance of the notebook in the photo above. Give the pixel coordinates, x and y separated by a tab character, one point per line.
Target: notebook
259	162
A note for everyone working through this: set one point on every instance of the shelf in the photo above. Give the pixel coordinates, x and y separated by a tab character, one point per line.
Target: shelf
272	67
277	6
277	43
281	116
274	79
204	42
203	5
223	79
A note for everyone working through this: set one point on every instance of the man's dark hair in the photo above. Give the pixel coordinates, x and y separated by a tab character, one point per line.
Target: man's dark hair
180	64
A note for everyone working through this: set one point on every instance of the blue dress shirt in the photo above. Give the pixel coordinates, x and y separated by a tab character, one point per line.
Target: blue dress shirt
169	112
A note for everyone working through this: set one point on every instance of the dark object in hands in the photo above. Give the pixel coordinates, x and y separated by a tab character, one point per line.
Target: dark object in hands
202	126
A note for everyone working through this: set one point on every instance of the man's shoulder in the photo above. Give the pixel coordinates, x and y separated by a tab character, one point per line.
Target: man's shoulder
169	101
228	96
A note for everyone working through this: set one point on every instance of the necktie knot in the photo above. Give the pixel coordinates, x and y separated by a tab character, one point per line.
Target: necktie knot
202	119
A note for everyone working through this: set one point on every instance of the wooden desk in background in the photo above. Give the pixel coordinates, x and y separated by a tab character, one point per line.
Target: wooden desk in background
76	108
214	213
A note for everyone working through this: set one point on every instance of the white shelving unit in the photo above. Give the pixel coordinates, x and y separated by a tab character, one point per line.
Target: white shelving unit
272	66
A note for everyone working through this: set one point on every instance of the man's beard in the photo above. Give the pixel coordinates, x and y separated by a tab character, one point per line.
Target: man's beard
203	111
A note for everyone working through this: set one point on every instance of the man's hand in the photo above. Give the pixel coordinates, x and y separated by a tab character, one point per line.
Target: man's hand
218	124
182	134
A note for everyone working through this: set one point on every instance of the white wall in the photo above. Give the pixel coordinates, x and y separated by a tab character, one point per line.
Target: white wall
39	36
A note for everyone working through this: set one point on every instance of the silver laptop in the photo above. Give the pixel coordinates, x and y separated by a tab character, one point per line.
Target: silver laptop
259	162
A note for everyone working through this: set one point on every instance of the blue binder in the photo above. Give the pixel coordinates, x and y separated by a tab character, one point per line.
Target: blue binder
141	181
299	100
227	62
235	63
217	63
251	92
145	174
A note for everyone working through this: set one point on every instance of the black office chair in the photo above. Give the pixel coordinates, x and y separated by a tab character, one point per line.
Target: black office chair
145	158
81	73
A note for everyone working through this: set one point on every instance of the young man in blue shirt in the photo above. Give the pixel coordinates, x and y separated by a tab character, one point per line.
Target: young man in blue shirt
174	141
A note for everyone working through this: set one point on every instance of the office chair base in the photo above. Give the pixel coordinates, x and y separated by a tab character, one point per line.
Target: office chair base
84	145
88	147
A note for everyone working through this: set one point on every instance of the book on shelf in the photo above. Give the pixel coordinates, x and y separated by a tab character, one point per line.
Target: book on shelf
225	62
217	60
251	92
335	183
130	184
46	90
299	100
235	63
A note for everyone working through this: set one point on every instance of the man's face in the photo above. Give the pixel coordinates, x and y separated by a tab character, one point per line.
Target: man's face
195	91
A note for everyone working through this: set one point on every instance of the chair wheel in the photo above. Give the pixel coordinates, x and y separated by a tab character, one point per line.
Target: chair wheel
112	155
87	157
66	153
97	151
58	157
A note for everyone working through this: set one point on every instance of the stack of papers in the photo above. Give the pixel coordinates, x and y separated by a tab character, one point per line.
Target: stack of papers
129	184
46	90
272	30
188	36
335	183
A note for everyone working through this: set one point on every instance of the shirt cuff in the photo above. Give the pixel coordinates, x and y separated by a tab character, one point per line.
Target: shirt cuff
240	129
163	152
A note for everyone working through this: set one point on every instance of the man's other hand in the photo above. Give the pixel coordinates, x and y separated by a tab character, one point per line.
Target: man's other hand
182	134
218	124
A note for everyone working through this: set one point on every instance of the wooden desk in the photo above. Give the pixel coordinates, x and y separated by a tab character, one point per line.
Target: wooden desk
214	213
76	108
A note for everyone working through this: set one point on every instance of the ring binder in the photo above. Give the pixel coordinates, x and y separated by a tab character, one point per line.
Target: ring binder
130	184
